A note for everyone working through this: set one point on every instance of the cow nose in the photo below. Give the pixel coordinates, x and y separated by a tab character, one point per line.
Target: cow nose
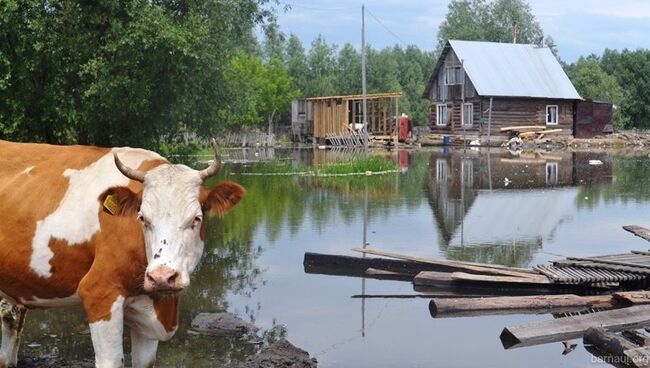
162	278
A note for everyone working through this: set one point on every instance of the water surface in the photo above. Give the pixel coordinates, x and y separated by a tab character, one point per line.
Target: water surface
481	206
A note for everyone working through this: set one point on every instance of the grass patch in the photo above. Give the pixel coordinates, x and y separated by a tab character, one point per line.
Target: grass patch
372	164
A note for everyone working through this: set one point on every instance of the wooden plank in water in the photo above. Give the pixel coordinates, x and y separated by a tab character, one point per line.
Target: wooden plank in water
361	264
464	307
609	261
499	279
639	231
617	346
562	329
468	266
633	297
431	278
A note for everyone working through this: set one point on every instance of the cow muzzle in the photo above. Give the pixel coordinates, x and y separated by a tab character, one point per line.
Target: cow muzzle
162	280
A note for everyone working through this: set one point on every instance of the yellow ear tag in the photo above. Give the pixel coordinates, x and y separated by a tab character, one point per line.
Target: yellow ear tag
110	203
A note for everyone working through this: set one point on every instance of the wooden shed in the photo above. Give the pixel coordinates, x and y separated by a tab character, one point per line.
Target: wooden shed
302	120
526	83
338	115
593	118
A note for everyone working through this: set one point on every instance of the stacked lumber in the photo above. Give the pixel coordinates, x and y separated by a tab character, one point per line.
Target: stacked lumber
588	297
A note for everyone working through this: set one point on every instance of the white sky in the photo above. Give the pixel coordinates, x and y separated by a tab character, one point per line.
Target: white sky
579	27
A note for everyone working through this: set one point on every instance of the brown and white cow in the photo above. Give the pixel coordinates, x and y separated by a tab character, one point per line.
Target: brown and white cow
117	230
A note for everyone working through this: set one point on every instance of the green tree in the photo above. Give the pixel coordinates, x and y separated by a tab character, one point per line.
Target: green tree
274	42
264	90
349	70
321	74
592	82
112	73
631	68
478	20
297	63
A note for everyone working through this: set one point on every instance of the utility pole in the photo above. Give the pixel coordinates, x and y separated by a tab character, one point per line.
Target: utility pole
363	76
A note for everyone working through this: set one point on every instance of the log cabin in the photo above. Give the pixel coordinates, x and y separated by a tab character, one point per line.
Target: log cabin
526	83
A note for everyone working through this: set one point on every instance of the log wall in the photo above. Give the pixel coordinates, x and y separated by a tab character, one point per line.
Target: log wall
505	112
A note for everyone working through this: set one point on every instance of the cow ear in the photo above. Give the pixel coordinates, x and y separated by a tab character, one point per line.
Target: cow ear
223	198
120	201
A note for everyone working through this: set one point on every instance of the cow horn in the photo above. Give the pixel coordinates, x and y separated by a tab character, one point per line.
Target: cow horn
214	167
130	173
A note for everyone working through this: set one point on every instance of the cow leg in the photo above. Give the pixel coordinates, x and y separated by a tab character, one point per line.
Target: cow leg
106	335
143	316
143	350
13	321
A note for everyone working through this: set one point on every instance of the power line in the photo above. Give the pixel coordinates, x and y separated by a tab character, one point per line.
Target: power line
386	28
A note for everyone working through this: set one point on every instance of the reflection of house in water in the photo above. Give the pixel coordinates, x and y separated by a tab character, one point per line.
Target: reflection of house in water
487	204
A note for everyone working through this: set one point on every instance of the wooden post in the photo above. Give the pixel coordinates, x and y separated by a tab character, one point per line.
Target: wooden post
363	76
397	121
489	121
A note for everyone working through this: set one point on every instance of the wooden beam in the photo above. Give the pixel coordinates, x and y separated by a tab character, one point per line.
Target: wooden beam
562	329
464	307
625	351
372	96
608	261
317	261
639	231
468	266
499	279
548	131
523	127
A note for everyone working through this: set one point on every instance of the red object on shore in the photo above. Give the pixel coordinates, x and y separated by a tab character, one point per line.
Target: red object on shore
404	124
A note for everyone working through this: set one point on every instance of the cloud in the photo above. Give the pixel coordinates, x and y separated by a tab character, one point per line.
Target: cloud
579	27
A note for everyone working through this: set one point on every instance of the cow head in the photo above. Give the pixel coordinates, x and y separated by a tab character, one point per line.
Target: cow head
172	207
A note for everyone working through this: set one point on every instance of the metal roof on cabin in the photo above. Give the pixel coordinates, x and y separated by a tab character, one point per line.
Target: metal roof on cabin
513	70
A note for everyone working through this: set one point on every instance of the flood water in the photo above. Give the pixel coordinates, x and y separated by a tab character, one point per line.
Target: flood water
481	206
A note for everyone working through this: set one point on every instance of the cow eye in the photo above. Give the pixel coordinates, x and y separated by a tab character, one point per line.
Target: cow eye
143	220
197	220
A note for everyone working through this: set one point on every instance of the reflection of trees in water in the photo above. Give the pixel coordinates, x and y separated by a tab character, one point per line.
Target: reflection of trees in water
275	204
631	183
519	255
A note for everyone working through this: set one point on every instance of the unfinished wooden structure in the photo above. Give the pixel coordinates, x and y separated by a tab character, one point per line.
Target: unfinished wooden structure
337	120
526	84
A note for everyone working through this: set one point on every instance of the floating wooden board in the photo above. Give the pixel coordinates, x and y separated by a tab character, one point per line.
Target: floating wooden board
465	307
361	264
499	279
620	348
639	231
469	266
563	329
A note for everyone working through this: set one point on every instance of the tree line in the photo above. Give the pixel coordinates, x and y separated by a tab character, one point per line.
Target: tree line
144	72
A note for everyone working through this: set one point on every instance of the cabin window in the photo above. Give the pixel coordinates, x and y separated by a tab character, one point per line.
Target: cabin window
453	75
468	114
441	170
551	114
551	173
441	116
